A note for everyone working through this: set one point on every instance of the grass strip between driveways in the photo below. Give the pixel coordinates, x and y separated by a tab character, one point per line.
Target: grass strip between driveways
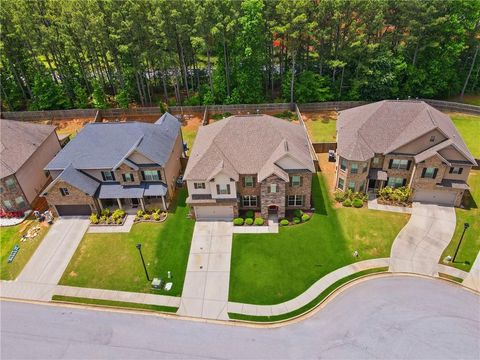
450	277
111	303
312	304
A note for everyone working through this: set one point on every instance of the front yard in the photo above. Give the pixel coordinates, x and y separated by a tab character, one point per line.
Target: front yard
11	236
471	214
272	268
469	128
111	261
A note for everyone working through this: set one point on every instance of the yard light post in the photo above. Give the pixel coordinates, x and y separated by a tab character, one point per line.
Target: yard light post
465	227
139	247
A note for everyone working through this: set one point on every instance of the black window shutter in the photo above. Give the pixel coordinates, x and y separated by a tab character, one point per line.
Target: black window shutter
228	188
301	180
159	175
218	189
409	164
404	182
143	175
124	178
460	171
451	170
423	172
435	173
103	176
390	164
113	175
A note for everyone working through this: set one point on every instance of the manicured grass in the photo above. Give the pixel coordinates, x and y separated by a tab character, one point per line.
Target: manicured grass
273	268
468	99
311	304
471	241
111	261
111	303
322	130
469	128
189	135
9	237
450	277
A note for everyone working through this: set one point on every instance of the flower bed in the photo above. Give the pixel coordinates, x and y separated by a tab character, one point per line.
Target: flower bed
349	198
396	197
117	218
154	215
295	217
249	218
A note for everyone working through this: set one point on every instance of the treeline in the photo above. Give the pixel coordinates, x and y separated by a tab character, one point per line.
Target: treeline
58	54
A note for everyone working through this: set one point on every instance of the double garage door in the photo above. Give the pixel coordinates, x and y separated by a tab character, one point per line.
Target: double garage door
435	197
73	210
214	212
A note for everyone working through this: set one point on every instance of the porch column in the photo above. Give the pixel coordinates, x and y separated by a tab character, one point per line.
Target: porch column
100	204
119	204
163	202
142	204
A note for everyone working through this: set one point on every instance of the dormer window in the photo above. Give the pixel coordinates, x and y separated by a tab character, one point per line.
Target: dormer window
199	185
223	189
128	177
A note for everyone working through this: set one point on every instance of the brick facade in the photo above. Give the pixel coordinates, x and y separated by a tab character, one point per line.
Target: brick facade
75	197
11	194
305	189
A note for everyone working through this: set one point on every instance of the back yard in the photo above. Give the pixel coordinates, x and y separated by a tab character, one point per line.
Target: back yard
111	261
321	125
469	128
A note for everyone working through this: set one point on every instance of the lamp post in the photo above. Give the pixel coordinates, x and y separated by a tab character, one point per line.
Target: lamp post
139	247
465	227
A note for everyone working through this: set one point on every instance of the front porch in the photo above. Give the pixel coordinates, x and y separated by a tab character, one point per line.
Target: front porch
132	205
377	179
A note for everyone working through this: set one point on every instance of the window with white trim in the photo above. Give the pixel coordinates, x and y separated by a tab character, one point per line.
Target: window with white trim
151	175
456	170
354	168
343	164
223	189
296	180
249	200
351	185
341	183
295	200
128	177
64	191
108	176
429	173
248	181
199	185
395	182
8	204
20	201
399	164
10	183
273	188
376	161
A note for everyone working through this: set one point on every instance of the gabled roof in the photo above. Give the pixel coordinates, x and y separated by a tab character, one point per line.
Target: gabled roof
107	145
247	144
384	126
77	179
19	140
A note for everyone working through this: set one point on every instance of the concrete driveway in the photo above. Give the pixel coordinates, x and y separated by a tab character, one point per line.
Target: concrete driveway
49	261
418	247
205	291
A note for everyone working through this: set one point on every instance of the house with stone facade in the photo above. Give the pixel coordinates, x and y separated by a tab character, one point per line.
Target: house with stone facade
25	150
402	143
126	165
249	162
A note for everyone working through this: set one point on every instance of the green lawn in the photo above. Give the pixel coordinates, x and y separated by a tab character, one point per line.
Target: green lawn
468	99
272	268
11	235
469	128
471	214
111	261
189	135
322	131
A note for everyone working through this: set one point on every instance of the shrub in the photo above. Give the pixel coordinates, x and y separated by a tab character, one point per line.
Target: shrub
118	214
347	203
103	219
156	216
400	194
119	221
238	221
339	195
105	212
109	220
140	213
249	221
94	218
146	217
284	222
296	220
259	221
298	213
305	217
249	214
357	203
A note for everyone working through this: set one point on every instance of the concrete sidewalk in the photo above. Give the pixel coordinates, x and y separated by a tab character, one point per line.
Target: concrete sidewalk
472	280
125	228
420	244
310	294
374	205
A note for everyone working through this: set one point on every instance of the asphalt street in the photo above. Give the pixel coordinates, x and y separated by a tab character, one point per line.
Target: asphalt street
385	318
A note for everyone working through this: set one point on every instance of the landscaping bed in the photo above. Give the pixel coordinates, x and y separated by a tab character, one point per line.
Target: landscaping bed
105	217
153	215
295	217
249	218
349	198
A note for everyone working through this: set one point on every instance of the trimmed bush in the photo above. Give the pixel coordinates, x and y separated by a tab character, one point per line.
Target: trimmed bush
296	220
238	221
118	214
347	203
103	219
249	221
249	214
156	216
357	203
284	222
339	196
305	217
298	213
140	213
119	221
94	218
259	221
146	217
105	212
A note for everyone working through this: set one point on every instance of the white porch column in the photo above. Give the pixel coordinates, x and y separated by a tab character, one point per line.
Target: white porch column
163	202
119	204
100	204
142	204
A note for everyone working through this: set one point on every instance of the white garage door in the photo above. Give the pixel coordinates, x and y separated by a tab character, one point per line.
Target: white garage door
435	197
214	212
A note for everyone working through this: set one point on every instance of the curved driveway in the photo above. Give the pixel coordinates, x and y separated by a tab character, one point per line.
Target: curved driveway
387	317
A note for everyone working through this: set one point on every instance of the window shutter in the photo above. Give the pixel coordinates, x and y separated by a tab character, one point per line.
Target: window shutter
159	175
113	175
143	175
435	173
228	188
124	178
218	189
254	179
451	170
460	171
103	176
423	172
409	164
390	164
301	180
404	182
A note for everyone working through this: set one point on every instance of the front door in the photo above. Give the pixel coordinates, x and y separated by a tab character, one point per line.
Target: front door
371	183
135	202
272	209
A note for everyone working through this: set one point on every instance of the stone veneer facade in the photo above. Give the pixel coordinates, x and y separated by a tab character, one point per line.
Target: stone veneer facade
278	198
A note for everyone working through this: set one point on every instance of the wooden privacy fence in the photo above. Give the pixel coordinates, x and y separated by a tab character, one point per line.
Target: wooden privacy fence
324	147
310	146
214	109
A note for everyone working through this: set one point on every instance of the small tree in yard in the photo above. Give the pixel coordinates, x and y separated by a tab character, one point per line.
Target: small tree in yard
98	96
123	99
81	97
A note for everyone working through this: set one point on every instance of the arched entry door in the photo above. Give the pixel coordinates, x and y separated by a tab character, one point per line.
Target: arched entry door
273	209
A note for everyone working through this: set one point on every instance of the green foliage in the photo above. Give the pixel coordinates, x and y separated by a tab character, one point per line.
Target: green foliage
46	94
305	217
81	97
396	195
284	222
156	216
94	218
238	221
296	220
249	221
118	214
249	214
286	115
340	195
357	203
139	213
347	203
312	87
146	217
98	96
298	213
119	221
103	219
259	221
105	212
123	99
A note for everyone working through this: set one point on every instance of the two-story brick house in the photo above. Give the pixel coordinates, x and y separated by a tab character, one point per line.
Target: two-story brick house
251	162
128	165
25	149
402	143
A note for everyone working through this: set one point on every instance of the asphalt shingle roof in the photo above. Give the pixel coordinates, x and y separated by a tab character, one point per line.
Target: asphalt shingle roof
77	179
19	140
384	126
244	145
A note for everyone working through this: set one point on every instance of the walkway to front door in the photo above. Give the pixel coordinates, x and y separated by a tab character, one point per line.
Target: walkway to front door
205	291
